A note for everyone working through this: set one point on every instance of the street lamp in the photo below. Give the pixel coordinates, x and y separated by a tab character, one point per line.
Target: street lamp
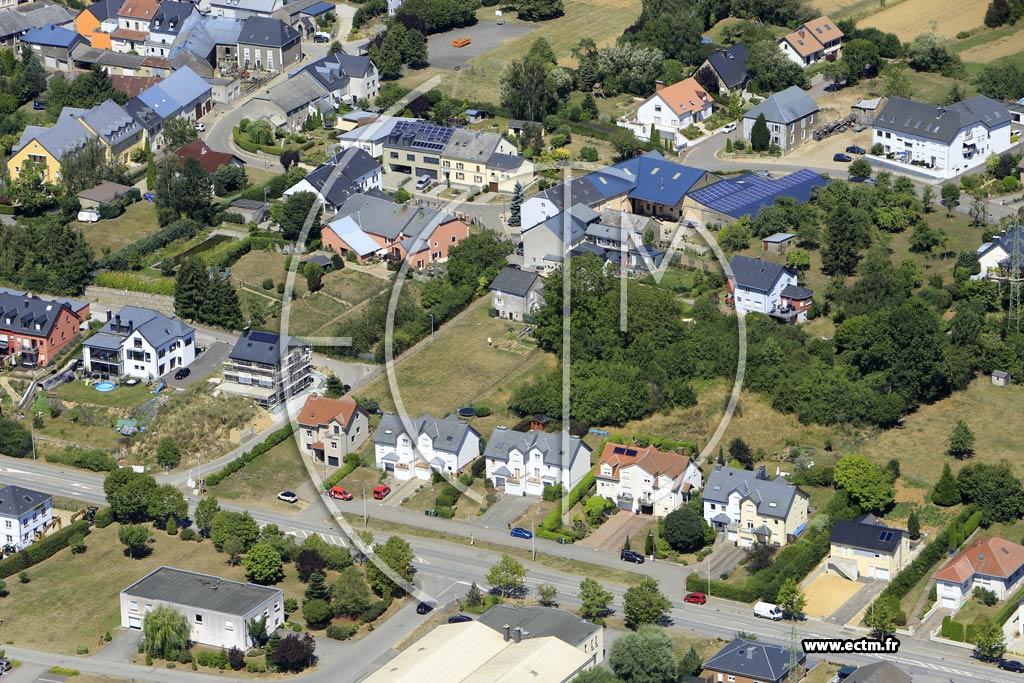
365	518
431	326
533	536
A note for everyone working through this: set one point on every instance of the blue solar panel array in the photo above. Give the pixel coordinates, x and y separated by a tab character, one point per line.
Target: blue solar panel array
746	194
424	135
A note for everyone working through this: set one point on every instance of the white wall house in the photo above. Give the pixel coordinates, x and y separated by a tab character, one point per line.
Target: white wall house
217	610
757	285
941	141
645	479
516	293
23	512
994	257
442	445
750	507
817	40
523	463
993	563
670	110
352	170
139	342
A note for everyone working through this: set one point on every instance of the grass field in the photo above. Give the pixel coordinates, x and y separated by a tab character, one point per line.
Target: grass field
279	469
120	397
256	266
989	45
602	20
137	221
68	595
911	18
922	444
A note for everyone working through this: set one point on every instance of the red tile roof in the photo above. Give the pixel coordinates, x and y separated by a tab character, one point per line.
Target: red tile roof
319	411
209	159
138	9
992	556
685	96
652	460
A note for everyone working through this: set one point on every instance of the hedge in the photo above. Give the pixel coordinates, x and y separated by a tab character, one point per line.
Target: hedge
1007	610
238	463
94	459
120	259
541	532
351	462
933	553
695	583
134	283
243	247
42	550
796	560
6	209
952	629
553	522
248	146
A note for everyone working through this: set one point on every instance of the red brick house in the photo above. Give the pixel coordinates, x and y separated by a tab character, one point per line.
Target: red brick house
34	330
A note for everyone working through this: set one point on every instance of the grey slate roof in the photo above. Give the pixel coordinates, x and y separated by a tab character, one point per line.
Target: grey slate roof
540	622
15	20
879	672
581	191
267	32
446	434
296	92
867	532
514	281
21	313
111	122
334	71
755	273
201	591
503	441
104	9
92	55
786	106
262	347
468	145
199	36
257	6
388	219
796	292
940	123
754	660
104	341
16	501
156	327
339	173
773	497
170	16
731	65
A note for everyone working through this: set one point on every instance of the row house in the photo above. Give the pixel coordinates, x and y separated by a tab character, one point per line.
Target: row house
415	447
524	463
34	330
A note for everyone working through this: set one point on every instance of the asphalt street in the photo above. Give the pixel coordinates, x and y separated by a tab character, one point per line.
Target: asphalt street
445	570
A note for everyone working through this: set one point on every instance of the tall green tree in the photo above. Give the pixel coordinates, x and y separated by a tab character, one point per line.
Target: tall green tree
396	554
238	525
914	525
684	530
179	131
350	595
135	538
166	632
205	511
993	489
950	194
526	90
643	657
539	10
295	211
508	576
644	604
515	206
690	664
898	82
190	285
961	441
790	598
865	482
167	452
990	640
594	599
760	138
741	452
314	273
946	492
31	79
128	494
263	564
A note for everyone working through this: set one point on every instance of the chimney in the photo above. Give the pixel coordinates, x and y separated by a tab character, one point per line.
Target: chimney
517	634
800	33
659	85
750	652
505	632
109	314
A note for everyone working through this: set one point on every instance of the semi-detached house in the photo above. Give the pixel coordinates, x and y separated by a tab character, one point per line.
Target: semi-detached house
645	480
752	508
34	330
414	447
524	463
817	40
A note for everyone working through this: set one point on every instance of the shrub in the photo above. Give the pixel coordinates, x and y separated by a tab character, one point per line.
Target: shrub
42	550
553	522
103	518
985	596
274	439
342	632
554	492
92	459
588	154
255	667
268	284
188	534
697	583
373	612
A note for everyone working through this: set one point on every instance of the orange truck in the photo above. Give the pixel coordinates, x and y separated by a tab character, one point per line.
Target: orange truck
461	42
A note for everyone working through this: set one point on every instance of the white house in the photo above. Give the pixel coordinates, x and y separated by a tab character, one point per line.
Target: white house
350	171
516	293
523	463
217	610
994	257
670	110
348	78
942	141
445	445
330	429
765	287
815	41
751	508
993	563
139	342
644	479
23	513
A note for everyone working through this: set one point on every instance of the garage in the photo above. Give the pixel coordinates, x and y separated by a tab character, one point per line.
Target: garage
429	172
949	603
881	573
134	621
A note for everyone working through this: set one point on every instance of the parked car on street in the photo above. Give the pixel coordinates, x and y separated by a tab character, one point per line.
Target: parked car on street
631	556
767	610
425	607
520	532
381	492
340	493
729	127
288	497
695	598
459	619
845	158
1011	665
182	373
854	149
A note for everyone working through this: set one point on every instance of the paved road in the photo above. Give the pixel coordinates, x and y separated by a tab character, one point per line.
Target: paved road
446	570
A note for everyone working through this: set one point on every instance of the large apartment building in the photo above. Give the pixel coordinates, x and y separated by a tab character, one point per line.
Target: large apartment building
268	368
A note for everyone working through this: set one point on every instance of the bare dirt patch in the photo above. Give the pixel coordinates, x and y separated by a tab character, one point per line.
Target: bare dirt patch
827	593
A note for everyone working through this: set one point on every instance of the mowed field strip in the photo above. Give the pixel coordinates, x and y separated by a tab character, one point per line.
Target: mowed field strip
911	18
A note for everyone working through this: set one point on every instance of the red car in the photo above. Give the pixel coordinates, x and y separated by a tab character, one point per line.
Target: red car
338	492
696	598
381	491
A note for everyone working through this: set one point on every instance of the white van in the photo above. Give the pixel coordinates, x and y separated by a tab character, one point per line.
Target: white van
766	610
88	215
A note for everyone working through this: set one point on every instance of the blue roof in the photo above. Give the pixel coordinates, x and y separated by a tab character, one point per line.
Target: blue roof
746	194
178	91
779	237
318	8
472	112
664	182
53	36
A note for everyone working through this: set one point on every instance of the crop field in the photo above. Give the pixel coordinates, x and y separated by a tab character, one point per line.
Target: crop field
992	45
911	18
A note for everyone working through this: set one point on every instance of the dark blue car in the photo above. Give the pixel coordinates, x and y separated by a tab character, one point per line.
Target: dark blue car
520	532
149	197
459	619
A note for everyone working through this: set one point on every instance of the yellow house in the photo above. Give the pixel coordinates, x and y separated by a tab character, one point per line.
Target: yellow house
867	547
119	133
763	522
752	508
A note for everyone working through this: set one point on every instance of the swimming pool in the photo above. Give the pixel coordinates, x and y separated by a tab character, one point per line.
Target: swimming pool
105	386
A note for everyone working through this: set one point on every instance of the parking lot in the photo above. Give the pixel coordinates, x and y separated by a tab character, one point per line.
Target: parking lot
202	367
485	35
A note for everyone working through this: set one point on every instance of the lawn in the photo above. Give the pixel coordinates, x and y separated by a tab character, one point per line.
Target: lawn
460	361
974	611
911	18
137	221
69	596
921	445
988	45
279	469
602	20
256	266
353	286
120	397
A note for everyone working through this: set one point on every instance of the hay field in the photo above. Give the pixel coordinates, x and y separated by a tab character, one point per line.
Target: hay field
910	18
